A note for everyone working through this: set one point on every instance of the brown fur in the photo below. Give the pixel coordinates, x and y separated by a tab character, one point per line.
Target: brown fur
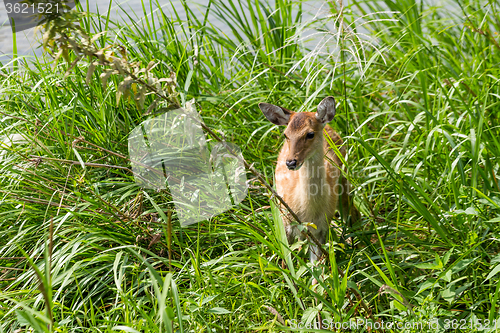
316	188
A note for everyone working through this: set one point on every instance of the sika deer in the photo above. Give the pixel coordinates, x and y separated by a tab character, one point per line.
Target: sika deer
306	178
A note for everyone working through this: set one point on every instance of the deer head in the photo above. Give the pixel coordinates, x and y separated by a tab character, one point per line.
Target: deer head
304	132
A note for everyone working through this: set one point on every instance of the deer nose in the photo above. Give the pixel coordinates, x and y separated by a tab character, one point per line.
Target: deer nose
291	164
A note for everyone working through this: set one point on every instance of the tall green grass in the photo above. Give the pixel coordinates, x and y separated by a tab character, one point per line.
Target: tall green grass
83	248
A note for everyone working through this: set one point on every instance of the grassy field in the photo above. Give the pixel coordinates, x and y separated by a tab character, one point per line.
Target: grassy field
85	249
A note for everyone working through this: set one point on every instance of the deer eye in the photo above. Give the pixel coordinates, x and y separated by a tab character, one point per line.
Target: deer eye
310	135
285	136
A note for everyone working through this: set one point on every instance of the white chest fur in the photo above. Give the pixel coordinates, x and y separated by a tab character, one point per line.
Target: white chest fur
310	192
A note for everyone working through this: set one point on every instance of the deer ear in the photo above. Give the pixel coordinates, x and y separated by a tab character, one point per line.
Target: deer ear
275	114
326	110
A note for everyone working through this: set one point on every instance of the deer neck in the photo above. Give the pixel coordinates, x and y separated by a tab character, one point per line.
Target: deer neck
313	174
